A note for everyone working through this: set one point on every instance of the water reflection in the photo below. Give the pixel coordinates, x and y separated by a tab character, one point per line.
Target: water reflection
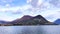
47	29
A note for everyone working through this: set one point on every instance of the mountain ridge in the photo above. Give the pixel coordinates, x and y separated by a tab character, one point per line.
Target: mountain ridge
33	21
57	21
30	20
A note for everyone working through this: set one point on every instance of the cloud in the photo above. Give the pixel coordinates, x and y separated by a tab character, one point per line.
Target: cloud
56	3
33	8
44	8
15	8
51	15
12	13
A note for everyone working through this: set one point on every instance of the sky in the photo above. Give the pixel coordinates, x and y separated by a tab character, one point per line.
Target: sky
13	9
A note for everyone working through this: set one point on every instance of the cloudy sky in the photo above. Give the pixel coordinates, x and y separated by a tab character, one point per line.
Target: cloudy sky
13	9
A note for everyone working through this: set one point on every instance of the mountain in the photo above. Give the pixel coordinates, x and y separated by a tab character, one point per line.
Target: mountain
57	21
25	17
29	20
3	22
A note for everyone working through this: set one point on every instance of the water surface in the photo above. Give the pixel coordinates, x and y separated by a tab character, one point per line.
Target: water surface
45	29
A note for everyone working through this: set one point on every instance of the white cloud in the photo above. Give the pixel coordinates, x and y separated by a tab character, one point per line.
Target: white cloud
45	9
15	8
5	17
35	3
56	3
51	15
33	8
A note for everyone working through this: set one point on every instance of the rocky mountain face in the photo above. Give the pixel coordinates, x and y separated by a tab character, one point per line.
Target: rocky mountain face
29	20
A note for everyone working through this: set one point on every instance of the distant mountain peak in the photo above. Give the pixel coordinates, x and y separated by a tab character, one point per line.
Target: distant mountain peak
38	16
26	17
57	21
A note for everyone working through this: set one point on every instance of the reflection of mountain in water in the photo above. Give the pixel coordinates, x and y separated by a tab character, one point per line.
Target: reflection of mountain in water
57	21
29	20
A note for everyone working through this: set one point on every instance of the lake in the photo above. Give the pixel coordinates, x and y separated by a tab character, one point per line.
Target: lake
43	29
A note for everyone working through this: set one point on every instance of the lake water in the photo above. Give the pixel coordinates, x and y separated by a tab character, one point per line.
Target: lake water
45	29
